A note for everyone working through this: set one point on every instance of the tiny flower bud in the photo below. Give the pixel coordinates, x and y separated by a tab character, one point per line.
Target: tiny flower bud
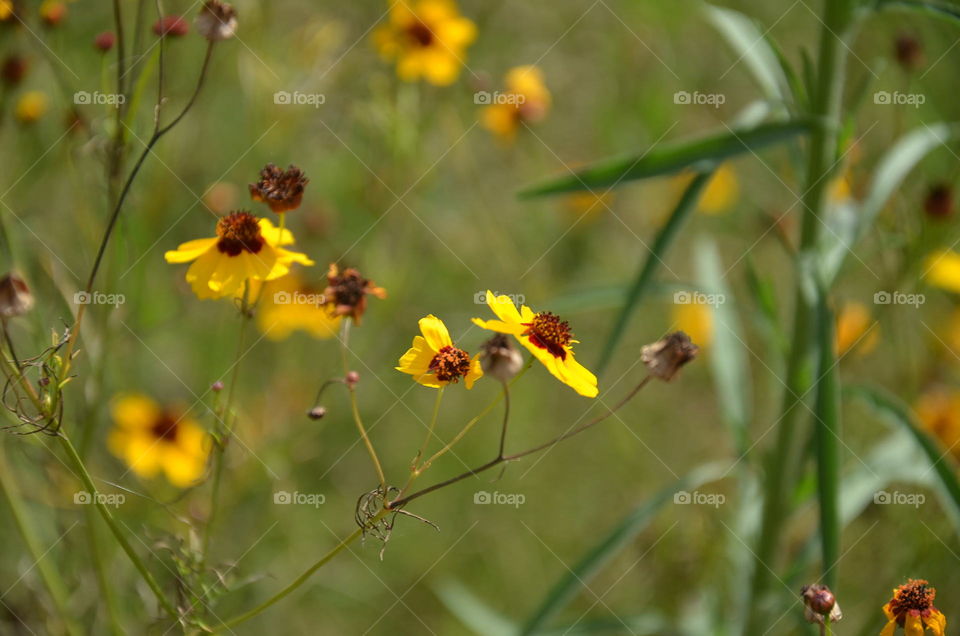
664	358
217	386
104	41
216	21
352	378
15	296
44	381
908	51
500	359
939	201
819	603
316	413
13	70
172	25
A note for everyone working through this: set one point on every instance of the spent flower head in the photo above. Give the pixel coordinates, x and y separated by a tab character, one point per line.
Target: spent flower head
216	21
280	189
820	605
666	357
912	609
15	296
347	291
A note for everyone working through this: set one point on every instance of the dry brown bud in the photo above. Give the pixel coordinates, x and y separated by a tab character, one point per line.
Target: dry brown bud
15	296
316	413
665	357
500	359
216	21
819	603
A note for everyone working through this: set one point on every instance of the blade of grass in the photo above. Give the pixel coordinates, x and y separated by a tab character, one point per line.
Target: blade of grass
473	611
644	277
935	9
827	442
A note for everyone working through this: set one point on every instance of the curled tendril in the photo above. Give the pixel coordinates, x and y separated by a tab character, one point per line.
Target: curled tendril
369	515
45	367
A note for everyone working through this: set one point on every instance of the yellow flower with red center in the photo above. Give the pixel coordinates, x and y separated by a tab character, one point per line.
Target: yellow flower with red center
547	337
245	249
426	38
912	609
151	439
434	361
939	412
289	304
526	101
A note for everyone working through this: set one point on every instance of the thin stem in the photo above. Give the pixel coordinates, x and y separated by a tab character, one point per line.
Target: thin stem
430	429
354	408
506	417
103	581
827	442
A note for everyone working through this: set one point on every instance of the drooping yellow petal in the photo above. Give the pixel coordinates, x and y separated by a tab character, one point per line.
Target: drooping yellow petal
190	250
912	625
889	629
435	332
475	372
937	623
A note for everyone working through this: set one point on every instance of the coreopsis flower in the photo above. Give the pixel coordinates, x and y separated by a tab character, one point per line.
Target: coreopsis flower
912	609
282	190
720	194
151	439
434	361
938	410
31	107
6	10
52	12
346	292
820	605
216	21
856	328
427	39
696	320
172	25
942	269
525	101
15	296
245	249
547	337
289	304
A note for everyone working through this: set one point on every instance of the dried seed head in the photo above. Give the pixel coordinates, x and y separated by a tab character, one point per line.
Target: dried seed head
913	597
500	359
939	201
104	41
819	603
172	25
15	296
216	21
347	292
317	413
665	357
282	190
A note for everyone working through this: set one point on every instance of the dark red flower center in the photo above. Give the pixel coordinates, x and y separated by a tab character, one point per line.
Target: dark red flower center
165	428
420	33
548	332
239	232
450	364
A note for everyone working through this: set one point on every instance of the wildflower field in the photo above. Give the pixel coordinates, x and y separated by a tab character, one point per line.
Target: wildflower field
464	317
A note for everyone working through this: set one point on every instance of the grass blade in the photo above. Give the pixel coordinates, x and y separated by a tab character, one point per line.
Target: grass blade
827	441
935	9
472	611
751	47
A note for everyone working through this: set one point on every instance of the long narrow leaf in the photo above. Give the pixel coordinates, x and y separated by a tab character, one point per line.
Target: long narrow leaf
472	611
748	42
935	9
827	437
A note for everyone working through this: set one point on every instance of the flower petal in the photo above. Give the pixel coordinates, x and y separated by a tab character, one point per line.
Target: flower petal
503	307
435	332
190	250
416	361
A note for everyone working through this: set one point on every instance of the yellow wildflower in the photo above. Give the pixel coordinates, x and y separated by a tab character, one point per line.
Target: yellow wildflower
721	193
912	609
31	107
939	412
525	101
288	304
433	361
856	327
942	269
696	320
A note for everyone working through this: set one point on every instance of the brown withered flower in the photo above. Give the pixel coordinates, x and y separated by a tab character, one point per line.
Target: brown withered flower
216	21
500	359
912	609
15	296
665	357
939	201
282	190
347	291
819	604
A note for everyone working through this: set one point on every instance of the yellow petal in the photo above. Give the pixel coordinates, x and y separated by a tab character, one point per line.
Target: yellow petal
912	625
503	307
435	332
475	372
441	66
937	623
272	235
134	412
416	361
181	467
889	629
499	326
190	250
577	376
943	270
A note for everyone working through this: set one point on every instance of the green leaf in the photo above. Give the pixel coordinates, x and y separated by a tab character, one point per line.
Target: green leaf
472	611
701	155
567	588
752	49
935	9
644	278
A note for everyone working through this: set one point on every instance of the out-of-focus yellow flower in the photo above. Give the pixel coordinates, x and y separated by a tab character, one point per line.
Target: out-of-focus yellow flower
942	269
433	361
150	439
427	38
31	106
288	304
6	9
545	336
840	189
696	320
853	321
912	609
939	412
526	100
245	249
721	193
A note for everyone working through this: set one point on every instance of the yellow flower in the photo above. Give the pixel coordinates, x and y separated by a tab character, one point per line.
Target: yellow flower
31	106
427	38
245	249
942	269
939	412
433	361
288	304
525	101
6	9
149	438
695	320
546	337
853	321
912	609
721	193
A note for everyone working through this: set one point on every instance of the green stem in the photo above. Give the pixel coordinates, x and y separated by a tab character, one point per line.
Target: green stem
354	408
430	429
103	581
827	440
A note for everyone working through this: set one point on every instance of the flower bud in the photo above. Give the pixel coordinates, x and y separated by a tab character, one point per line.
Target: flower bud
104	41
216	21
172	25
820	604
500	359
15	296
217	386
939	201
317	413
352	378
664	358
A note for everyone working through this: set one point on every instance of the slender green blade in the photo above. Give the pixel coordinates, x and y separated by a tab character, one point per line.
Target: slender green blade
747	40
701	155
827	440
473	611
936	9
